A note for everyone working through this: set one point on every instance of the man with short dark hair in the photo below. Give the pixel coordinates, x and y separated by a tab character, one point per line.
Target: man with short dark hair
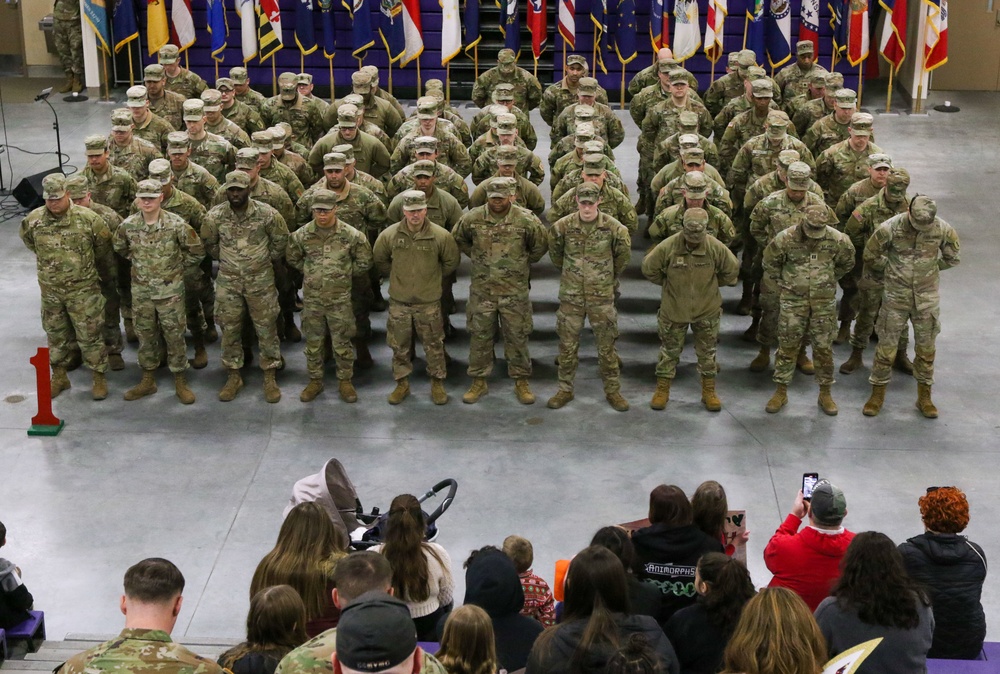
15	600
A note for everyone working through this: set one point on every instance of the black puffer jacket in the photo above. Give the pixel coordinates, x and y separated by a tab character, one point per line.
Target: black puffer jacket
15	600
952	570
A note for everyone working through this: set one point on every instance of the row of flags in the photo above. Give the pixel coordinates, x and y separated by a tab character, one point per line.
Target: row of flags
768	27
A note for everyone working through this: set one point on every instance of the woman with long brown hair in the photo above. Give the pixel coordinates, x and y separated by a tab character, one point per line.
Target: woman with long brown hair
305	556
276	624
467	644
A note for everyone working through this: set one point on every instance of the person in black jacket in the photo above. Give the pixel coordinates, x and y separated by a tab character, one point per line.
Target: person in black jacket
668	550
952	569
15	600
276	624
644	597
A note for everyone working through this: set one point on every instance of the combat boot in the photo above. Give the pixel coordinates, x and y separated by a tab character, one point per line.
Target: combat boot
804	362
211	333
903	363
708	396
312	389
130	335
59	381
364	358
476	391
200	359
438	395
399	393
78	85
347	392
844	334
616	401
746	300
662	394
924	403
522	389
116	362
750	335
875	401
74	361
99	390
145	387
763	359
67	85
181	389
272	393
560	399
854	362
778	400
292	333
233	386
826	401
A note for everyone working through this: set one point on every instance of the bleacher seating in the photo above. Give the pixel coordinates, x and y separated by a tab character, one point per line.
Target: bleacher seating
31	631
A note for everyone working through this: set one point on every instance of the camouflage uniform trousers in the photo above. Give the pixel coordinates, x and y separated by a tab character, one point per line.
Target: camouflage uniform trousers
333	316
260	300
68	37
925	315
112	317
603	319
514	315
800	318
426	320
75	316
158	322
643	146
124	286
868	302
195	292
768	305
706	339
362	297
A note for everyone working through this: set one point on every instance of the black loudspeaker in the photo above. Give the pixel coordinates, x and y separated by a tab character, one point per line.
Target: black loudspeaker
29	191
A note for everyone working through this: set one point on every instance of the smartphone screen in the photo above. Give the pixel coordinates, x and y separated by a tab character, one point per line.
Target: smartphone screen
809	481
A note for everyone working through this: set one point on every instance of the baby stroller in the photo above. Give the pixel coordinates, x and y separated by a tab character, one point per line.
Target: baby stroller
332	489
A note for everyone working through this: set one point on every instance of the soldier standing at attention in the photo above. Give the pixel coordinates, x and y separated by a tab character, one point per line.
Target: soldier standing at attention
73	250
690	266
795	81
126	151
109	185
563	93
180	80
163	249
69	43
527	88
167	105
591	249
503	241
416	254
213	153
909	250
244	94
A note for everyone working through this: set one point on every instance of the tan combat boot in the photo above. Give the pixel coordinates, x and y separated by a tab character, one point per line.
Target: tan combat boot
523	392
763	359
924	403
476	391
78	85
272	393
211	332
560	399
617	401
854	362
778	400
233	386
438	395
708	396
903	363
116	362
662	394
399	393
67	85
804	362
99	390
59	381
826	401
347	392
145	387
844	334
130	335
312	389
200	359
181	389
875	401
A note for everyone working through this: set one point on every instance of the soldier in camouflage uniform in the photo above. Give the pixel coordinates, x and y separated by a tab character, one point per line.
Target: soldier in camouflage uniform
528	163
163	249
288	157
746	125
557	97
73	250
165	104
670	149
109	185
527	88
503	95
429	104
816	89
450	149
68	38
741	103
373	73
189	177
246	237
371	155
879	164
647	76
425	148
211	152
613	202
180	80
583	132
605	121
727	87
794	81
833	128
330	254
570	168
273	170
526	194
304	84
216	122
671	220
812	111
353	175
673	191
378	110
843	164
657	92
147	126
445	112
238	112
127	152
804	262
364	125
908	251
591	250
690	266
691	157
244	94
503	240
759	155
416	254
288	106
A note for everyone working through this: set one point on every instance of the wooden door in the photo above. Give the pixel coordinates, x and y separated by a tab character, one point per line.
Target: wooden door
11	40
973	47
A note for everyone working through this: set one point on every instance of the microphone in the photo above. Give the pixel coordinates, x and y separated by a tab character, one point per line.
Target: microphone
43	95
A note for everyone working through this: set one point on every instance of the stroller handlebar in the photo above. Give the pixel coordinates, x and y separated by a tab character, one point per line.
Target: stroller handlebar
452	486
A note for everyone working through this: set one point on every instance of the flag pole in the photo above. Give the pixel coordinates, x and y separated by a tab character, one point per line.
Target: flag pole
447	83
888	96
420	85
593	66
107	82
536	69
187	61
216	69
475	58
302	62
623	87
861	81
746	29
390	74
274	76
564	59
713	70
131	74
329	61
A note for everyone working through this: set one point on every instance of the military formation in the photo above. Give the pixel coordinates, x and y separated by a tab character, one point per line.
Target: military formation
222	213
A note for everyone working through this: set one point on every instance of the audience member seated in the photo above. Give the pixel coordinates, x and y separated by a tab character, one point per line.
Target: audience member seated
635	657
151	604
538	600
356	574
15	600
951	569
808	561
276	624
376	635
776	634
668	550
701	631
875	597
644	598
305	557
468	645
709	507
596	621
421	571
491	583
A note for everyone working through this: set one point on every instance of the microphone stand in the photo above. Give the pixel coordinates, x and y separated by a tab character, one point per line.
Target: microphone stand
44	97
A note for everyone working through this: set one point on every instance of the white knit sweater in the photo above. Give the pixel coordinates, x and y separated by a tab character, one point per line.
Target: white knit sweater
439	581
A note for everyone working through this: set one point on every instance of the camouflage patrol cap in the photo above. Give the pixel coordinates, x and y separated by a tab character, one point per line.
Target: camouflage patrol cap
693	155
263	140
169	53
414	200
425	143
503	92
506	123
665	65
54	186
225	83
923	212
137	96
818	79
154	72
733	59
372	72
695	224
212	98
424	167
584	131
347	116
334	161
437	95
500	187
588	193
361	82
177	142
846	98
507	155
898	177
77	186
236	179
805	47
159	169
303	78
587	86
194	110
788	157
695	185
687	120
688	140
356	100
346	150
495	110
149	188
777	119
679	76
880	160
324	198
278	135
817	217
239	75
861	124
834	81
246	157
762	89
286	127
799	176
755	73
427	108
577	60
583	112
435	84
121	119
595	146
95	144
593	164
746	58
506	56
287	86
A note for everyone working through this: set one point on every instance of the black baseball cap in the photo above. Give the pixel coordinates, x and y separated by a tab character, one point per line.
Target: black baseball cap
375	633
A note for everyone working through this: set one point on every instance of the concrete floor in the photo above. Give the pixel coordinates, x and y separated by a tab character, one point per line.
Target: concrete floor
205	485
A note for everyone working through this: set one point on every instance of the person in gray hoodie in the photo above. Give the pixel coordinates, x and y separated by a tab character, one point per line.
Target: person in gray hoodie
15	600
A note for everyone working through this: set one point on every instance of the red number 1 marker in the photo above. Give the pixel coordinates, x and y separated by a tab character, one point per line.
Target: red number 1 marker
45	422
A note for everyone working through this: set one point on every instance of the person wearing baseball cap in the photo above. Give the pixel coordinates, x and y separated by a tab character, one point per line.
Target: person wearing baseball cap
244	94
304	84
179	80
125	150
217	123
147	125
162	102
726	88
557	97
236	111
378	110
527	88
794	80
306	120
